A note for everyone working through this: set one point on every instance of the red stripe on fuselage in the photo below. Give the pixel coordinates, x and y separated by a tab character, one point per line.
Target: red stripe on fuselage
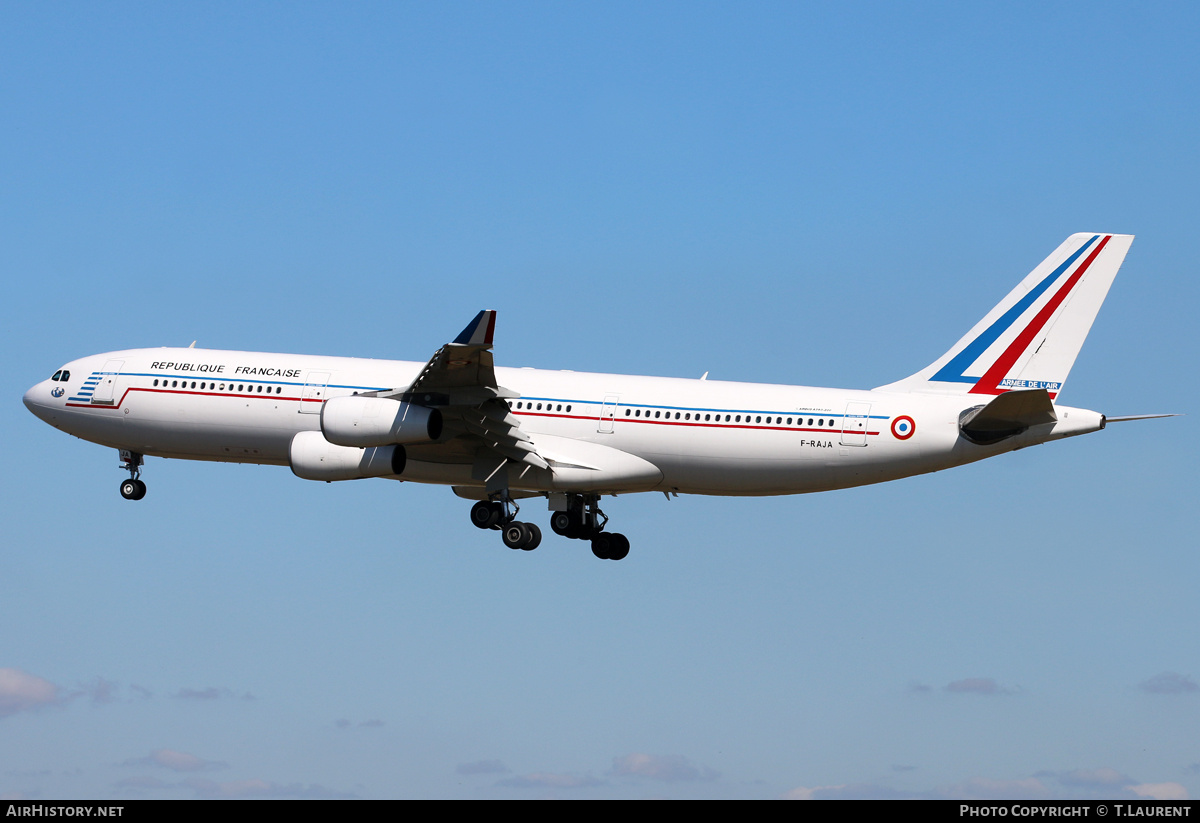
692	423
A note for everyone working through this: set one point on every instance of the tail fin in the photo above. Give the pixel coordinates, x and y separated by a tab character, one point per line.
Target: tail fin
1030	340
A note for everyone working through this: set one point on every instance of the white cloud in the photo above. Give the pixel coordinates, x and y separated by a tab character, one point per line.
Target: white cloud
22	692
670	767
1160	791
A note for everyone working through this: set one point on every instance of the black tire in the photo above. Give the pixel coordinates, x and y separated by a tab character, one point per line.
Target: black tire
561	522
141	490
535	537
619	547
485	515
515	535
129	489
602	546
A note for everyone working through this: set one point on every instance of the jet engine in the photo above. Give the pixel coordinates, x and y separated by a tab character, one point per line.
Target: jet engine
312	457
376	421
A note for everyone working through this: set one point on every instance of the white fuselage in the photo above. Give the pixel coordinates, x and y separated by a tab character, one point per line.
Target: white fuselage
704	436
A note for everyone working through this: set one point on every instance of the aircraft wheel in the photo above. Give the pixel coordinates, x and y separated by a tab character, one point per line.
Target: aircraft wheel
535	537
141	490
516	535
602	546
129	489
618	547
485	514
561	523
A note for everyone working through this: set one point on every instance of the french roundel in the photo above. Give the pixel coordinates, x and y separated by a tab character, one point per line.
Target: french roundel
903	427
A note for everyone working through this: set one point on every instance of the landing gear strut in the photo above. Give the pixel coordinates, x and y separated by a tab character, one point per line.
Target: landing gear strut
583	520
133	488
501	514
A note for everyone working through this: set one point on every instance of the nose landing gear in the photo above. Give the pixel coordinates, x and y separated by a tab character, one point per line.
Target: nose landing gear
133	488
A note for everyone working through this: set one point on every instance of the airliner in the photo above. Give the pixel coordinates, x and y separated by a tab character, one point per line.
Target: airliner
500	435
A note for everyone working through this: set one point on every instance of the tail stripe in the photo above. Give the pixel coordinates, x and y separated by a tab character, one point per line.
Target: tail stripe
989	383
955	370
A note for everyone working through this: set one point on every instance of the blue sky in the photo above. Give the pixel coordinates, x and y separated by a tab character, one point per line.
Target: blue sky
767	192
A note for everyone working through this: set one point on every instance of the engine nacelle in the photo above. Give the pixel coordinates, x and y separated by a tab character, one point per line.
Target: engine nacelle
312	457
375	421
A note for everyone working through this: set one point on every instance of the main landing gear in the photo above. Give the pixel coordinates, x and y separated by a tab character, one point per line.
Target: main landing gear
501	515
582	520
133	488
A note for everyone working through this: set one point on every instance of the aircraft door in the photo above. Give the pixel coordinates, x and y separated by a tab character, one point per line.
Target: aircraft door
854	424
312	396
608	414
106	385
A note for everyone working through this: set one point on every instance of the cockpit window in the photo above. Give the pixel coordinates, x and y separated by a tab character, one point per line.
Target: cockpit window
66	376
57	375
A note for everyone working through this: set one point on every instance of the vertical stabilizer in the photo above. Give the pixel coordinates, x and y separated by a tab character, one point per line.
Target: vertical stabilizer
1030	340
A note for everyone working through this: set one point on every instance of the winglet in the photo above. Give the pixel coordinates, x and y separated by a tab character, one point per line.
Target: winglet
480	330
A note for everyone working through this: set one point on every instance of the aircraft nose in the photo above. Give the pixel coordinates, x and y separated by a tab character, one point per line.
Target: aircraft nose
35	400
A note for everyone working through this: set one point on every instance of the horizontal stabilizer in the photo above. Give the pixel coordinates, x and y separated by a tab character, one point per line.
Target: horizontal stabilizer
1008	415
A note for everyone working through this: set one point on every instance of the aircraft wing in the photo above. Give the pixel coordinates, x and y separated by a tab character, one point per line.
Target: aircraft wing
460	381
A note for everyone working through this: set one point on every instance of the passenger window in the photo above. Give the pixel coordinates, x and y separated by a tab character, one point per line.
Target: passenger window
627	412
156	382
568	408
